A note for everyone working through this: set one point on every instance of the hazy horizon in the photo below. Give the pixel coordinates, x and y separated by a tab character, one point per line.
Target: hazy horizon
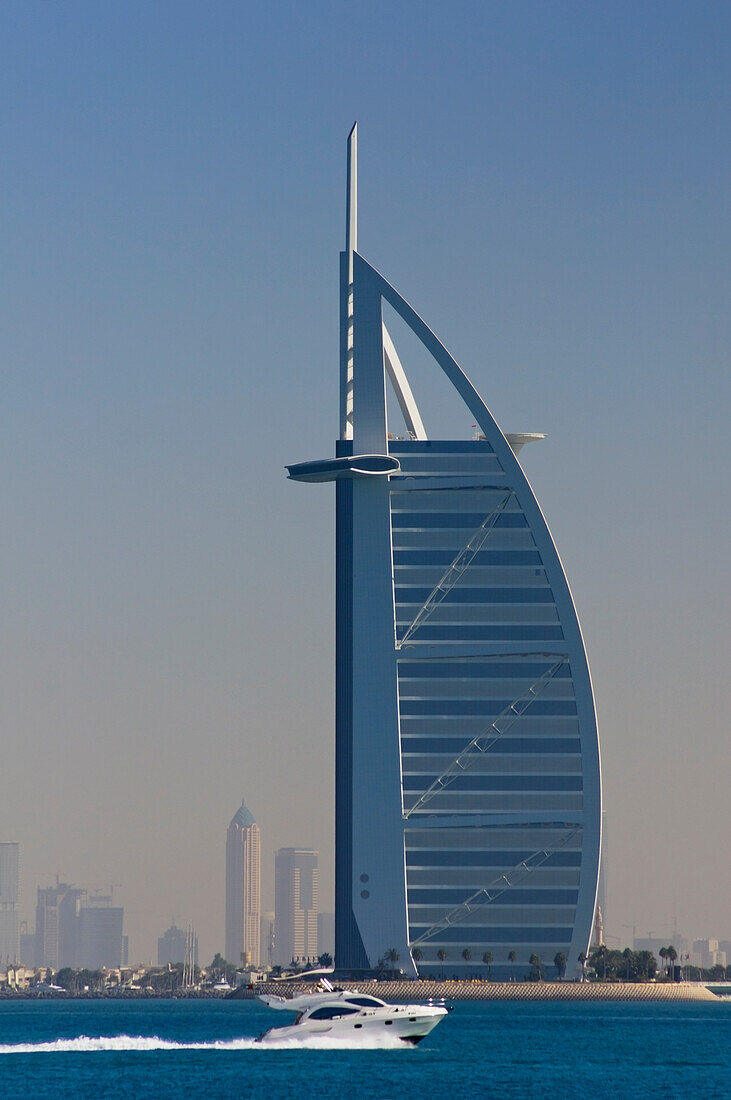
548	185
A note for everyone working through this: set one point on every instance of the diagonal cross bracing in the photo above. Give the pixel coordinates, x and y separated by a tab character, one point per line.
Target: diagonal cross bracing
457	569
486	740
497	887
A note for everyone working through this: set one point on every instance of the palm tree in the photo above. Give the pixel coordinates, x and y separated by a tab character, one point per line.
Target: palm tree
559	961
512	956
441	955
535	962
417	955
672	956
487	959
628	955
663	953
602	953
392	957
467	955
645	962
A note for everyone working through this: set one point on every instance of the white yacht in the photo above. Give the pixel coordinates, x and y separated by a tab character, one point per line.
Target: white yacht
345	1014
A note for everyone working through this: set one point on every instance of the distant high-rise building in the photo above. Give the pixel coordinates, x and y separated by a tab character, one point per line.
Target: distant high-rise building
9	898
27	946
100	939
243	889
57	929
267	938
708	953
171	947
73	929
295	905
326	934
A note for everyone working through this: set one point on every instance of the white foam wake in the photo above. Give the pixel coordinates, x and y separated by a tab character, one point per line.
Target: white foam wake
135	1043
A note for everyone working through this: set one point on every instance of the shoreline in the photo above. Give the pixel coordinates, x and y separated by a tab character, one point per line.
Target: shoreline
416	991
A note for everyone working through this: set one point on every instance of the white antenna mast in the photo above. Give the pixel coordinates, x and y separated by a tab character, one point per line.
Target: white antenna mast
351	246
351	213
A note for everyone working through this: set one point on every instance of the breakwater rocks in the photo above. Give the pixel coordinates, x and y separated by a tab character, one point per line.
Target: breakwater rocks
503	991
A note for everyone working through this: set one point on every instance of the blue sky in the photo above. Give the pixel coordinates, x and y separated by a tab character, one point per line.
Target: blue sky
548	184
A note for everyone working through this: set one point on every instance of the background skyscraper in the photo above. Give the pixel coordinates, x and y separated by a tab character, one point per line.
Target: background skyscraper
57	926
171	946
9	894
76	929
243	889
267	938
295	905
326	934
100	939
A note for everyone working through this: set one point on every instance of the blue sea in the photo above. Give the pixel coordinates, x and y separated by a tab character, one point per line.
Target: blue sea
506	1049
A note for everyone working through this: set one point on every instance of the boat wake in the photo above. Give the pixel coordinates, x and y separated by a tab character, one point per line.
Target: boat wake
85	1044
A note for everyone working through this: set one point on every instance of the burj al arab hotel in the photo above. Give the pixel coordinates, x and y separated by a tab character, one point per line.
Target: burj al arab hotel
468	794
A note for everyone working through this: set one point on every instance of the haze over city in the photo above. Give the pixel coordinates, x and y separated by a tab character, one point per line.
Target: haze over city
548	186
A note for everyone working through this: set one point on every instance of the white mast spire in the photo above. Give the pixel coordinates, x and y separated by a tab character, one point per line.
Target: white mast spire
346	314
351	216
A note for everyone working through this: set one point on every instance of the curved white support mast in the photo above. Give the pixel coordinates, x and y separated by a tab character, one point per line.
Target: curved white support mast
402	389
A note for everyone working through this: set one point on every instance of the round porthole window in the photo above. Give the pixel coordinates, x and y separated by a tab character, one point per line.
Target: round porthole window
365	893
364	878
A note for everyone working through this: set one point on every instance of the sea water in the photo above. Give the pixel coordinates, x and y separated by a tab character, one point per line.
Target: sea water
199	1048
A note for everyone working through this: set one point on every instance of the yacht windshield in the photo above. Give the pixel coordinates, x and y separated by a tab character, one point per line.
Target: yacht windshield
331	1012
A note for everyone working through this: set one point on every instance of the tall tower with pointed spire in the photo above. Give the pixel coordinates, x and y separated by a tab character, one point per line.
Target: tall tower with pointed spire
243	889
467	779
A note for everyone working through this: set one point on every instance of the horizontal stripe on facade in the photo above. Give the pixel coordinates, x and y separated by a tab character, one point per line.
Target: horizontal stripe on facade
478	669
497	633
438	446
477	934
497	577
411	594
451	466
512	896
537	726
480	614
470	521
521	746
456	802
452	540
484	689
471	879
477	782
488	707
454	498
480	857
444	558
407	583
493	763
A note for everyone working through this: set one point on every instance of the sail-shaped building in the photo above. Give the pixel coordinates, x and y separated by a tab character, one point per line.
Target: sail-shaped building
468	796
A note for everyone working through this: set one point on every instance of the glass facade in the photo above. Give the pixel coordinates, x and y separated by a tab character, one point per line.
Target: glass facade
529	762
